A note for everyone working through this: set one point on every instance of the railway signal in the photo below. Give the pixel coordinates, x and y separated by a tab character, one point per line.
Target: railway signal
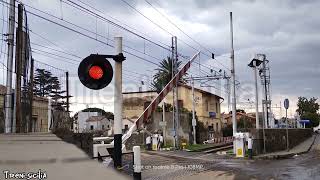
95	71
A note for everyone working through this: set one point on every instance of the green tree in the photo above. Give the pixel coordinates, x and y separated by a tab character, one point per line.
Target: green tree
307	109
42	84
47	85
56	92
164	74
244	123
305	105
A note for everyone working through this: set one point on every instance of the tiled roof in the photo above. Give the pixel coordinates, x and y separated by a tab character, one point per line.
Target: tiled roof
95	118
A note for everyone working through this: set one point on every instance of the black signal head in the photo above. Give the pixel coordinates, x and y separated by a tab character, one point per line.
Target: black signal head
95	72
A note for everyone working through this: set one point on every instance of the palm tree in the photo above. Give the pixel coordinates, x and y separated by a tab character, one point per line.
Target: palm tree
164	74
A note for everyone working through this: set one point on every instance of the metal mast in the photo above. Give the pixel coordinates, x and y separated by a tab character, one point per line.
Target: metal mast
264	72
233	81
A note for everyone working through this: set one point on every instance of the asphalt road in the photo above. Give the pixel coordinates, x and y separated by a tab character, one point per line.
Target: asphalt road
305	166
210	166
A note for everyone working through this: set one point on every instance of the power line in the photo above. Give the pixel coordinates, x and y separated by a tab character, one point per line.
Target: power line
101	36
177	26
139	12
91	37
168	47
86	10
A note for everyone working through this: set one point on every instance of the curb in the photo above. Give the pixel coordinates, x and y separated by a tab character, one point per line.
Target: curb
287	155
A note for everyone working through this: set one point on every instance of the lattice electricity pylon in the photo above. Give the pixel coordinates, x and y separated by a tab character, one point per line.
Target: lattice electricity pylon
264	72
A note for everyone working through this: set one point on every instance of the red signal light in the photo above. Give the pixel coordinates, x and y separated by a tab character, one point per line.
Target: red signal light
96	72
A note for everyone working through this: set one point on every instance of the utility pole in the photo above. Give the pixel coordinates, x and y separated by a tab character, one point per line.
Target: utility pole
174	92
194	122
177	120
8	101
233	81
264	81
164	122
228	89
68	96
19	123
67	90
118	107
31	95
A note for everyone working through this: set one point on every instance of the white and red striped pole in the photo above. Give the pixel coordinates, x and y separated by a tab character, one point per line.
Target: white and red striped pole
153	105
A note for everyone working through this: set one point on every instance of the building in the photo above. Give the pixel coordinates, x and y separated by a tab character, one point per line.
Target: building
207	105
40	112
228	117
134	103
126	124
250	118
80	121
98	123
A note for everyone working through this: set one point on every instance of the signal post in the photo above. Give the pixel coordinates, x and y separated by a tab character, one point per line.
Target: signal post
95	72
118	107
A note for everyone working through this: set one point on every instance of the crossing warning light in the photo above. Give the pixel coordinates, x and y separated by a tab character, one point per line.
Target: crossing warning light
95	71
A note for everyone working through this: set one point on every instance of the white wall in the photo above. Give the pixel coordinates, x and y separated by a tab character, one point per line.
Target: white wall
82	117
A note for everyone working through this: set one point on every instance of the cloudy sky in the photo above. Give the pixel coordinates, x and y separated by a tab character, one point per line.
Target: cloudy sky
287	31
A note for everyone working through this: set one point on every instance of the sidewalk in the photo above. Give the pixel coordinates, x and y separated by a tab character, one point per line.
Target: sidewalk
49	155
302	148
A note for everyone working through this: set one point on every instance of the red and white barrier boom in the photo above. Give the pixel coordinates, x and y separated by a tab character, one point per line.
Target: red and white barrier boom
153	105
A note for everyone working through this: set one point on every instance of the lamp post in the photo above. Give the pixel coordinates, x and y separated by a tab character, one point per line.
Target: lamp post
254	64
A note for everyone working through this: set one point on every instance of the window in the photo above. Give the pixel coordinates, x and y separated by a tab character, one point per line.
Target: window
102	127
180	103
91	127
206	108
217	126
217	107
126	127
108	126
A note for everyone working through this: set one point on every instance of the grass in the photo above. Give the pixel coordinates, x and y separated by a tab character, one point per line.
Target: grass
198	147
230	152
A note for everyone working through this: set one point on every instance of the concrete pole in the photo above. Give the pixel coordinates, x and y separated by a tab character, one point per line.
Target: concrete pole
173	100
233	81
19	123
265	106
136	163
193	114
49	114
8	100
164	121
118	107
228	89
31	95
177	117
257	93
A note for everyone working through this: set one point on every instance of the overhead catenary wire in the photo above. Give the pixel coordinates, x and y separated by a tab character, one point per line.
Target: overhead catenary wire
99	35
151	61
171	22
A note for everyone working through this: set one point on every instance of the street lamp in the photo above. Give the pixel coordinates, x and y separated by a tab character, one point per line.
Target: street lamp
254	64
